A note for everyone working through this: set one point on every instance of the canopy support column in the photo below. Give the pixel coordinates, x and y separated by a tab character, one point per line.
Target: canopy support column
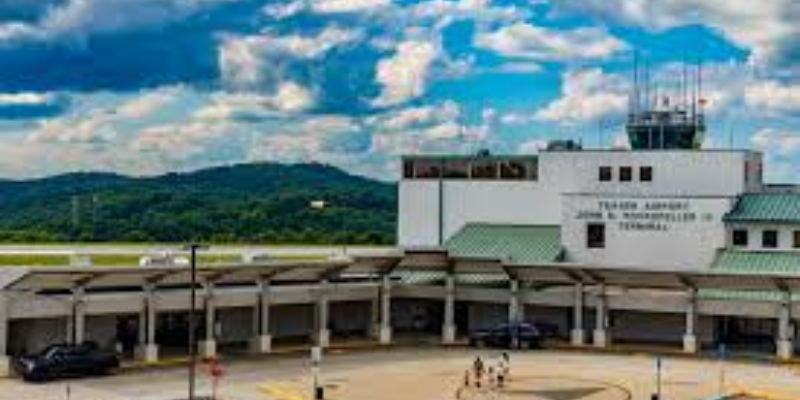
578	334
148	349
449	327
514	306
77	326
261	342
5	360
208	346
690	336
323	332
785	342
601	337
385	335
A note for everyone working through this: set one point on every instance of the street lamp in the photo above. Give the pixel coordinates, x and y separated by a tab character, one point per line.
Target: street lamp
192	249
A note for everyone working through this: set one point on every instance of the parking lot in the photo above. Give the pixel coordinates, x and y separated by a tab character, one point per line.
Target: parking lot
437	373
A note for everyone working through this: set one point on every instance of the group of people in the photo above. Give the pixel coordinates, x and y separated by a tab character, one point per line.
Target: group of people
488	376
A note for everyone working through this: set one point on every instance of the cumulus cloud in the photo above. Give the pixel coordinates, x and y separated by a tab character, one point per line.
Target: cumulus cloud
774	97
767	28
79	19
31	105
101	125
527	41
249	60
777	142
586	95
404	75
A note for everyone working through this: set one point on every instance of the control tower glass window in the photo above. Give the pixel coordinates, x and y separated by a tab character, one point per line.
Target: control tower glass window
769	239
740	238
596	236
605	174
646	174
625	174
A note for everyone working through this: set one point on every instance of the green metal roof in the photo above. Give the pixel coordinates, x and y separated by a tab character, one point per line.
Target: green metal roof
766	207
438	277
515	244
753	262
758	262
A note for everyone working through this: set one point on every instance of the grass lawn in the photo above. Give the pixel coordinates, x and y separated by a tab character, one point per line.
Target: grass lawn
127	260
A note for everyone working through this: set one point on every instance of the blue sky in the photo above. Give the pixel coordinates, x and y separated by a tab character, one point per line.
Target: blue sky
148	86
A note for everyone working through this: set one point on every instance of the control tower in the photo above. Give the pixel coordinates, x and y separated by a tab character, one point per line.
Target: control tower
656	123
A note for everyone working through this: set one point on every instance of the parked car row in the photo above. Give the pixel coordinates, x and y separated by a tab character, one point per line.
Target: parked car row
513	335
66	361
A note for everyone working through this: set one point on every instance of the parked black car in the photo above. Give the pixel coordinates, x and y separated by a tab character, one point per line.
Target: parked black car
521	335
66	360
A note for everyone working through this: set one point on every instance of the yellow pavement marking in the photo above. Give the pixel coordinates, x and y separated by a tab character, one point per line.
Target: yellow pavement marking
280	392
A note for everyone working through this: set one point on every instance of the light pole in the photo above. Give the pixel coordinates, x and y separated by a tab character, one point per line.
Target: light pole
192	249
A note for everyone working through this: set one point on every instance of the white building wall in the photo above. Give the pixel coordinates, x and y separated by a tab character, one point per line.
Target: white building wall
687	239
675	173
418	213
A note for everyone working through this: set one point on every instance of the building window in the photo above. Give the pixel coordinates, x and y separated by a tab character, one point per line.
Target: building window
646	174
456	169
408	169
427	170
513	170
769	239
484	170
596	236
625	174
740	238
796	241
605	174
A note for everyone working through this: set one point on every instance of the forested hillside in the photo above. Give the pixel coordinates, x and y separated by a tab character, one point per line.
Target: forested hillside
252	203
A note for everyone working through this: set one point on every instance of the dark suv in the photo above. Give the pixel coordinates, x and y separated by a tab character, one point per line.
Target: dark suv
66	360
515	335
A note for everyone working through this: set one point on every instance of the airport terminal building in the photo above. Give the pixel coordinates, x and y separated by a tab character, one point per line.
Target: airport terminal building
664	243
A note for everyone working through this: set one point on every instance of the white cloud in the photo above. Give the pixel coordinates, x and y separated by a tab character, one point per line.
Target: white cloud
774	97
347	6
777	142
532	146
586	95
523	40
404	75
79	19
247	61
101	124
26	99
768	28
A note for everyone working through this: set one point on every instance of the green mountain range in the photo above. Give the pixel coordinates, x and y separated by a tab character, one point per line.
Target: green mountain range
249	203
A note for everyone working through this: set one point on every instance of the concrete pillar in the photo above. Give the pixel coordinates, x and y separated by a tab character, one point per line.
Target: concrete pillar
5	360
578	334
449	327
600	334
78	316
262	339
690	335
323	332
385	335
207	348
514	307
148	348
785	342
